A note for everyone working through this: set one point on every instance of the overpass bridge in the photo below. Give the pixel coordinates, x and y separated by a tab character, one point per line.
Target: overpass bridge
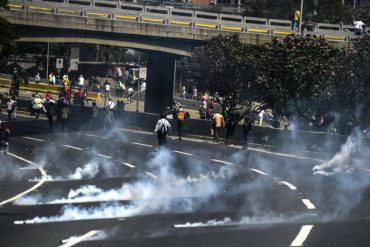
164	33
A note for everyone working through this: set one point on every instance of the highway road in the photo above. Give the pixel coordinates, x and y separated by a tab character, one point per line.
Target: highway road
117	188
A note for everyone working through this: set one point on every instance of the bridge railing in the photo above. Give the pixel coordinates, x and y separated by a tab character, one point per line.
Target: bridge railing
119	11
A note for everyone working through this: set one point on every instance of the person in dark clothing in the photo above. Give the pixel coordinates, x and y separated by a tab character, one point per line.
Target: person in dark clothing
230	128
51	110
59	108
4	138
247	127
180	122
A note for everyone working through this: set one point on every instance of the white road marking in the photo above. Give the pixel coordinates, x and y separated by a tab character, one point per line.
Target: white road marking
179	152
249	148
28	168
290	186
141	144
302	235
69	146
92	135
34	139
77	240
43	179
308	204
128	164
259	171
104	156
285	155
151	175
138	131
222	161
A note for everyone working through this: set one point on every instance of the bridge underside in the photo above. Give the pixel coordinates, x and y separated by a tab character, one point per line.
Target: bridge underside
138	42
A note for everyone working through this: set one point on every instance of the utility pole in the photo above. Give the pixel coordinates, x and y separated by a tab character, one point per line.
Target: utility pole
138	85
300	18
47	62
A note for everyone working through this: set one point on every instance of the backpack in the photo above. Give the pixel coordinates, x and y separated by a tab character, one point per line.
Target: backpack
163	128
181	116
14	105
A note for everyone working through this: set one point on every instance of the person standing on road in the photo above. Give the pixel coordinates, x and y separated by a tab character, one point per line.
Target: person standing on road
180	122
37	105
14	112
130	92
94	117
51	112
161	130
65	116
107	89
10	108
4	137
218	122
247	127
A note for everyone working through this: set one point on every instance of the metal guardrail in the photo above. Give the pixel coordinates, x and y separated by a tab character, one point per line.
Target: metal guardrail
120	11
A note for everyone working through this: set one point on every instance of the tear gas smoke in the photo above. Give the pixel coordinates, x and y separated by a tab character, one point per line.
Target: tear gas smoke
246	220
346	160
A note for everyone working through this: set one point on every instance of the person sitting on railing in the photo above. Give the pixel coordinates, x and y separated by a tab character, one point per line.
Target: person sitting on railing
308	25
359	27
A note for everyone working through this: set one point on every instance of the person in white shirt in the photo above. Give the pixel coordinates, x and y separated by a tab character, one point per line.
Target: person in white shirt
81	81
130	92
37	78
161	129
359	26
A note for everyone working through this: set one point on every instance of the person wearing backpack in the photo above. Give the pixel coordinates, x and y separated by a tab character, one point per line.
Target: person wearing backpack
180	122
161	130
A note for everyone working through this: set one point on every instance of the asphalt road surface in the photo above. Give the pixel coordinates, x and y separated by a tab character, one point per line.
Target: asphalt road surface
117	188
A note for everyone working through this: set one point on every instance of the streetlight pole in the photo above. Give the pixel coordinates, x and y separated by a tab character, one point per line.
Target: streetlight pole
138	85
47	62
300	18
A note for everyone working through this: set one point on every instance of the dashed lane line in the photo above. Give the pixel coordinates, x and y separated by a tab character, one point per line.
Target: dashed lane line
73	147
309	205
128	164
92	135
222	161
151	175
289	185
302	235
141	144
34	139
184	153
259	172
79	239
43	179
285	155
105	156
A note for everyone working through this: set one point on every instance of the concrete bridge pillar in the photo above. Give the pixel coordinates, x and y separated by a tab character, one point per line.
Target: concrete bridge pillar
159	85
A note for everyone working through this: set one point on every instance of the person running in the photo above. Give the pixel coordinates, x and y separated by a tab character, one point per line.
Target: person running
4	138
161	129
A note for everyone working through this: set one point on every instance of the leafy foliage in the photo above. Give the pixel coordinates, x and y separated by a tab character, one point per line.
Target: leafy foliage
308	80
224	66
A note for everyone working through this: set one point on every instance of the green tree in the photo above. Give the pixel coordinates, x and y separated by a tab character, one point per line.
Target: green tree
224	65
295	73
8	35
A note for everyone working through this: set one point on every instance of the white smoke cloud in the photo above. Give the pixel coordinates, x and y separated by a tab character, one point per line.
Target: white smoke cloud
344	160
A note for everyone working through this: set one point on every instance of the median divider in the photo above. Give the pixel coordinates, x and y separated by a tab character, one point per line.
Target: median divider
44	88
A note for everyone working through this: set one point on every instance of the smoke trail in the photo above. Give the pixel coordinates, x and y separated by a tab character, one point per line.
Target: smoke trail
104	211
246	220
